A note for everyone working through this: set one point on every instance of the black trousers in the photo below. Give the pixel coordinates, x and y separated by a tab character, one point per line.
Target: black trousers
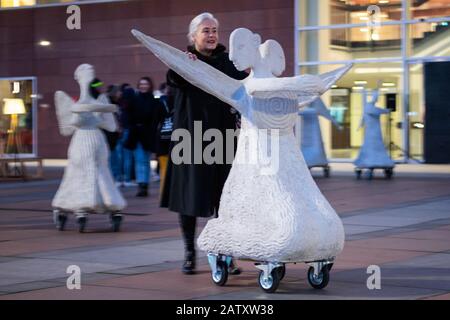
188	225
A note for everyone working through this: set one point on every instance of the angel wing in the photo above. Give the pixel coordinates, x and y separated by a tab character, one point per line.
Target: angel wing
63	104
327	80
322	110
108	120
197	72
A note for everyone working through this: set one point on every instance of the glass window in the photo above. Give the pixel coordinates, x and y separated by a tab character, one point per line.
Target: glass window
26	3
430	39
16	3
429	9
16	117
345	101
329	12
416	111
350	43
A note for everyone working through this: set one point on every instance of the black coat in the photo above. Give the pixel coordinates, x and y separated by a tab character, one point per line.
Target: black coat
195	189
145	114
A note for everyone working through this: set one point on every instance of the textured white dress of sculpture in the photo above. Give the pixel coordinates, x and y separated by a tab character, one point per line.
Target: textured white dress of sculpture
265	215
373	153
87	184
311	135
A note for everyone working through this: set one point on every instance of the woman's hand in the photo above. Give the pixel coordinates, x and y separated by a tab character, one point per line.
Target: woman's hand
191	56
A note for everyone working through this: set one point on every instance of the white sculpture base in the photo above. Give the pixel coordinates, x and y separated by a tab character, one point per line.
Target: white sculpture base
373	153
87	184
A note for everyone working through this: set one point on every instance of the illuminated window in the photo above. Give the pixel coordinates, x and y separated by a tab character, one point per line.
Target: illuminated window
28	3
16	3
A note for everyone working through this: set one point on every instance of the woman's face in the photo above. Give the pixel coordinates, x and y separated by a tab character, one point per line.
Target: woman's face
144	86
241	50
206	38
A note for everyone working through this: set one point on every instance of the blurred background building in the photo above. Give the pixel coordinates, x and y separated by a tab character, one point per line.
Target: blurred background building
404	44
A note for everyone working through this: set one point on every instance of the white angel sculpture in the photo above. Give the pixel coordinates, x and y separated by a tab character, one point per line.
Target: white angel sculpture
87	185
311	135
373	154
272	217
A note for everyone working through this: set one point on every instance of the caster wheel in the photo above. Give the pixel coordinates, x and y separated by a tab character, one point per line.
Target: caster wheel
269	285
82	224
61	220
370	174
326	172
220	277
116	221
281	272
321	280
358	174
388	173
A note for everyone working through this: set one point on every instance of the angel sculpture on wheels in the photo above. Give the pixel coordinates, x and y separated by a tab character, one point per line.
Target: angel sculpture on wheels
373	154
87	185
311	135
271	212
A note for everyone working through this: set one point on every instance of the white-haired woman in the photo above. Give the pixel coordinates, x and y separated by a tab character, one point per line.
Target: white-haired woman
194	190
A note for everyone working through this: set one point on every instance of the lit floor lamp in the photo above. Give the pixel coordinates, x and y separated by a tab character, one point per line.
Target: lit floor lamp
14	107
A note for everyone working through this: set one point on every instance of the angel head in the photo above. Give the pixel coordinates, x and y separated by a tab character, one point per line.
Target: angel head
375	95
85	73
246	51
272	55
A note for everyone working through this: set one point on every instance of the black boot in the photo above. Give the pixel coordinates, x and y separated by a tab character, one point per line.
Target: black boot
189	263
233	269
188	225
143	190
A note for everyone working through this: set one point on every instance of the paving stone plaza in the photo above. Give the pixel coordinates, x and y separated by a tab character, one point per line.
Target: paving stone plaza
400	225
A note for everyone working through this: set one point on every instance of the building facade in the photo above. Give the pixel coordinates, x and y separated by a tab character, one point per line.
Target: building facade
402	45
39	53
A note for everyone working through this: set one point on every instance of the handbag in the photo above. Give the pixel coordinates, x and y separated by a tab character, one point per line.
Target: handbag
165	132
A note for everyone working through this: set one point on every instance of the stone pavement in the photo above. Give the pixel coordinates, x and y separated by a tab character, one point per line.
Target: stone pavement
401	225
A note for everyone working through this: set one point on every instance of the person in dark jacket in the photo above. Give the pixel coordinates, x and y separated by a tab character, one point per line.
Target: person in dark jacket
143	124
165	130
194	190
96	89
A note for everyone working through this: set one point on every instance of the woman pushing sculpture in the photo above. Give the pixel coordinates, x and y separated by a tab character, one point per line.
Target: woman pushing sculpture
274	216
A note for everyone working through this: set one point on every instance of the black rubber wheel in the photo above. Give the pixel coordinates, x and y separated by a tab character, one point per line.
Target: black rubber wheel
281	272
388	173
221	275
321	281
61	222
326	172
116	221
82	224
271	284
370	174
358	174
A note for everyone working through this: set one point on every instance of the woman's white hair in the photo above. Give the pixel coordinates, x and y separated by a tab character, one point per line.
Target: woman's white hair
196	22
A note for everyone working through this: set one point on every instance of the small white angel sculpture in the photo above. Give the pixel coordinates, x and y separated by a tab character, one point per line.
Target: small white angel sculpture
373	153
87	185
311	135
274	217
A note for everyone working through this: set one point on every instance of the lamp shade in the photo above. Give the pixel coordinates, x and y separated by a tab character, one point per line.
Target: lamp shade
14	106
